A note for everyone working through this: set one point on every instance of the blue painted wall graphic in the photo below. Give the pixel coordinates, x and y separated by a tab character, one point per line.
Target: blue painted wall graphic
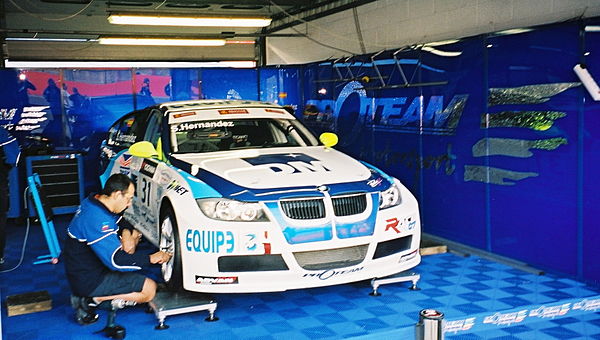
494	134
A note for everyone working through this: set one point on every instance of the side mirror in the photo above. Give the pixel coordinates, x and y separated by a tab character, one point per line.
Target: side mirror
143	149
329	139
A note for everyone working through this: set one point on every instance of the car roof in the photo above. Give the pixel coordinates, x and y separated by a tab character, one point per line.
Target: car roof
186	111
214	104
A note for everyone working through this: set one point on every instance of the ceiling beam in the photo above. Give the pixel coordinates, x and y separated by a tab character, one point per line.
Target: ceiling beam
312	12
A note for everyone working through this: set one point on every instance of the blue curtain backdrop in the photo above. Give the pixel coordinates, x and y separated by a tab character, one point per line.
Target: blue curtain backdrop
494	134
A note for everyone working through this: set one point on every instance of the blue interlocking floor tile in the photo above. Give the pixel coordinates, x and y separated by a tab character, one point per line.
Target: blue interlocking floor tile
480	277
517	329
561	332
293	313
470	308
477	286
458	286
557	295
515	301
474	296
516	290
318	332
516	280
277	327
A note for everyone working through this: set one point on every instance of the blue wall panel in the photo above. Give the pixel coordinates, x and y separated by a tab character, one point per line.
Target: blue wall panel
589	190
229	84
536	202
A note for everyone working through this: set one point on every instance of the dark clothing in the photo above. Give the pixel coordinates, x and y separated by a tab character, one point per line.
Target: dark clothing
23	86
119	283
93	248
9	157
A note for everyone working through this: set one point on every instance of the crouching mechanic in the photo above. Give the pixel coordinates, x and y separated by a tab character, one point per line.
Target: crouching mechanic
100	253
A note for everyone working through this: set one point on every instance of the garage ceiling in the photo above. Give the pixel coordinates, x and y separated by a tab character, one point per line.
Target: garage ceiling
26	26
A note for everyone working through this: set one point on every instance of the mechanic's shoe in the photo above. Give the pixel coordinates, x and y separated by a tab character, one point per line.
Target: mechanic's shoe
120	303
85	313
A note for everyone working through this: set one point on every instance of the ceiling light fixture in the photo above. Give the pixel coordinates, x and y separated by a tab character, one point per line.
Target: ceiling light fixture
161	41
164	20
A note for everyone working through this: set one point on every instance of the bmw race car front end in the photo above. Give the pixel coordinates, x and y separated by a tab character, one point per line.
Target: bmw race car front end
299	240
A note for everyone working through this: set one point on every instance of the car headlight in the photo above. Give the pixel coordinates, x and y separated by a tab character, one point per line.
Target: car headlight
230	210
390	197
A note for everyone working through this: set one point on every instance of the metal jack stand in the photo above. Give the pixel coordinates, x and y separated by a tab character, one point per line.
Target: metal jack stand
111	330
400	277
167	303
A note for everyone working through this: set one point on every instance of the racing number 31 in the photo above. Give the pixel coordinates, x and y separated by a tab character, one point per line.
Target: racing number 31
146	190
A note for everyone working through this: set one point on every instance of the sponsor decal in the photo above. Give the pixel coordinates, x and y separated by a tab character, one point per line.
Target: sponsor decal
506	318
209	241
329	273
125	160
550	311
254	243
105	228
164	178
392	223
233	112
250	243
575	307
421	114
587	305
148	167
458	325
409	256
125	138
288	163
200	125
274	111
219	280
184	114
175	186
375	182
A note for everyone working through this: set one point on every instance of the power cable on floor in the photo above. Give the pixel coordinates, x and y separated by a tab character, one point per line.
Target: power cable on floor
24	238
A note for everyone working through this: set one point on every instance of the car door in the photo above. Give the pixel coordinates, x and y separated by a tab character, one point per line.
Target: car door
144	176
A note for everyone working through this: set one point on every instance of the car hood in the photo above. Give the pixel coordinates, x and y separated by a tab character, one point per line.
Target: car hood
279	167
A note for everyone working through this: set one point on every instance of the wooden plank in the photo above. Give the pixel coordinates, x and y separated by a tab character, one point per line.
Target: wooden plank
429	247
28	303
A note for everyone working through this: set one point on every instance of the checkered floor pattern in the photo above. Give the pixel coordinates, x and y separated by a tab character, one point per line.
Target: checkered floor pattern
481	299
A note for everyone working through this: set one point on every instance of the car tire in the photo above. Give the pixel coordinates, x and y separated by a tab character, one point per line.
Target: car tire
169	241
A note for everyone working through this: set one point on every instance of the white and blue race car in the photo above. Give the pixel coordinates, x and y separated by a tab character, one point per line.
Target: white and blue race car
248	200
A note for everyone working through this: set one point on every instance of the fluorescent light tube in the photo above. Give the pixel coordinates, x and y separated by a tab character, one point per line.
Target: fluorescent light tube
52	39
159	20
161	42
127	64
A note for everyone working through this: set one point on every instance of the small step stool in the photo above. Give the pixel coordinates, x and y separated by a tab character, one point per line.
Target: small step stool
404	276
167	303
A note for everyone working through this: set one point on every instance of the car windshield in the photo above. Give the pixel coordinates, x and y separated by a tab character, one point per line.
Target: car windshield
232	134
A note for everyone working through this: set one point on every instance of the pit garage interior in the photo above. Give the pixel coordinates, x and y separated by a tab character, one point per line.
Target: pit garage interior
487	111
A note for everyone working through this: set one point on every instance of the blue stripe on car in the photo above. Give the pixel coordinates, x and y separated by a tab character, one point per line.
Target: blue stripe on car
365	227
300	234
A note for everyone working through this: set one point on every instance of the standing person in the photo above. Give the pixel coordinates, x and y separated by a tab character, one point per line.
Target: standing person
77	99
23	87
9	157
54	129
100	253
145	89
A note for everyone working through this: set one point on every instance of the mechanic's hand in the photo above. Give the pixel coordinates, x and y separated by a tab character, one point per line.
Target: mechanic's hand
160	257
130	240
